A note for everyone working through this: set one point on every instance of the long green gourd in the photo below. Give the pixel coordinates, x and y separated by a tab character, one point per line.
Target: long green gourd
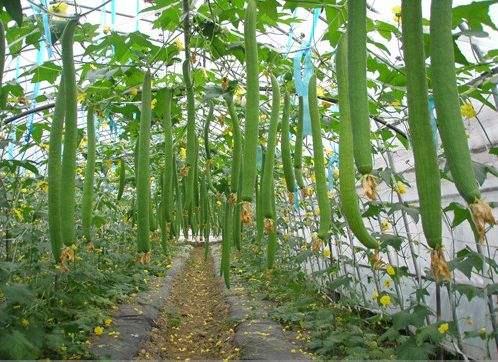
260	218
252	106
450	124
167	199
424	149
152	216
267	183
143	187
357	68
347	189
237	144
122	178
237	223
298	148
290	181
2	59
226	243
319	166
271	248
236	177
54	173
189	88
68	171
87	200
207	183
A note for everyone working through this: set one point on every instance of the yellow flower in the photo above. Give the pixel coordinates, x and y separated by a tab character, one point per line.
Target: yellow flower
396	13
183	153
319	91
400	187
24	322
467	110
98	330
179	44
326	252
43	186
18	214
81	97
60	8
387	283
108	322
390	270
336	172
134	91
396	104
385	225
328	151
443	328
385	300
106	29
153	104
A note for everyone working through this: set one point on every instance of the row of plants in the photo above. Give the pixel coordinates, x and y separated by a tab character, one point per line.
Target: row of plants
179	166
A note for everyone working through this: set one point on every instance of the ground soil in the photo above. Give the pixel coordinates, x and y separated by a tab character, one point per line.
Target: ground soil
195	322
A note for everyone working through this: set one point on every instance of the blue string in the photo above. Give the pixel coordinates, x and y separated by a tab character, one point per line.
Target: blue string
259	158
137	16
36	87
432	108
333	161
46	30
113	14
302	74
296	199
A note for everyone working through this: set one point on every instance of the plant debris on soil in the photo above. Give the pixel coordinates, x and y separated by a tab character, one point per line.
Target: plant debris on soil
195	322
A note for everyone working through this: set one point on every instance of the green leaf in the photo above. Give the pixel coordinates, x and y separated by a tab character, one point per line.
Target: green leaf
14	9
47	71
394	241
466	261
428	334
469	291
13	164
460	213
474	14
15	345
410	350
17	294
413	212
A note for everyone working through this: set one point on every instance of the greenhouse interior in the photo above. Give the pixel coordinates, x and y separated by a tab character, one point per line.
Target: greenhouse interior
248	179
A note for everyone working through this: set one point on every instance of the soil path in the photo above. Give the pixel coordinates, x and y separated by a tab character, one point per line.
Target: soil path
195	322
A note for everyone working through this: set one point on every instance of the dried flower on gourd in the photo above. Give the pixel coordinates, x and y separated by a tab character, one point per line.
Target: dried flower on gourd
269	225
439	266
482	214
184	171
246	213
291	197
376	260
143	258
224	83
232	198
307	191
369	184
316	243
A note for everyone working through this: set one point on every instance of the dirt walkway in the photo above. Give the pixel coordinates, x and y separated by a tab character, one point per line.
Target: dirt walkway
194	324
